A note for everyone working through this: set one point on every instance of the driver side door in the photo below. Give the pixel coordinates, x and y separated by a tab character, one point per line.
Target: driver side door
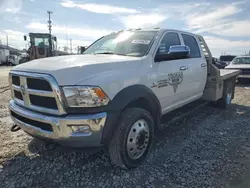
171	83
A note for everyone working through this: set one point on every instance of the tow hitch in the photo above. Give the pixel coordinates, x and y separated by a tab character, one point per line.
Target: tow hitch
15	128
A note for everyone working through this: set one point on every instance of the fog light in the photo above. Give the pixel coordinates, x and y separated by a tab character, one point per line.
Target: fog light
80	128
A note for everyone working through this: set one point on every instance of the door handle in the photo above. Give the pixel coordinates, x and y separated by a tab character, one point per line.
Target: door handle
203	65
183	68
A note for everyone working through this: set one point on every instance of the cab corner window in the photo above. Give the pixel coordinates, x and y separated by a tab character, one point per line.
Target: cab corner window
191	42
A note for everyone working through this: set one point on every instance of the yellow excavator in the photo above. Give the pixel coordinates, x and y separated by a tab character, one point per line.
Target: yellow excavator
41	45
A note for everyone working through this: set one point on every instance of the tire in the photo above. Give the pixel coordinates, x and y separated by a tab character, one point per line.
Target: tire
126	150
226	100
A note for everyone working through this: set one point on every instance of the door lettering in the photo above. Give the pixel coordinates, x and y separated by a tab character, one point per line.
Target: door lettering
174	79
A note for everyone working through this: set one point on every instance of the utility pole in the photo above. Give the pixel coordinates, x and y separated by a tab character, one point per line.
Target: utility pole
71	46
50	28
49	22
66	32
7	39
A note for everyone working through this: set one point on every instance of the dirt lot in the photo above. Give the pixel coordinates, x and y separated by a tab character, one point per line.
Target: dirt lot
209	148
4	71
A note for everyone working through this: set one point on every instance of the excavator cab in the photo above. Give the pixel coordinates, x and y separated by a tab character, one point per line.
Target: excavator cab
41	45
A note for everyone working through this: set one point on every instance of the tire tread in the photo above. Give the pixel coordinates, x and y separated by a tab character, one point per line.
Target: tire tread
115	147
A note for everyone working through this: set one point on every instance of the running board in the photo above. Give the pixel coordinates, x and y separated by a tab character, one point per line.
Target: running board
181	112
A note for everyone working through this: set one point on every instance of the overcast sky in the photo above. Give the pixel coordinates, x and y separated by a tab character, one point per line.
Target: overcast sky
225	24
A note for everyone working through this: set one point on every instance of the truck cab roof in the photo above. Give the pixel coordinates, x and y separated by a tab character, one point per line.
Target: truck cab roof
160	30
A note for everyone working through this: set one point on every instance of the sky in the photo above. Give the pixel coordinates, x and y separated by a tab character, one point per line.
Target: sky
224	24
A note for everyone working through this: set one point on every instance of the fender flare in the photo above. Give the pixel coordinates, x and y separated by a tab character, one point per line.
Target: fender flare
121	100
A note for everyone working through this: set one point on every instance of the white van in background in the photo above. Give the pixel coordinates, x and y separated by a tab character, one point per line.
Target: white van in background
4	53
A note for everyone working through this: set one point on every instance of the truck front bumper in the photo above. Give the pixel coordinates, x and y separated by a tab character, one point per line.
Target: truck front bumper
61	129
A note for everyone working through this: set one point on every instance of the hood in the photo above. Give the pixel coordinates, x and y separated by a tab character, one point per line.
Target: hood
238	66
69	70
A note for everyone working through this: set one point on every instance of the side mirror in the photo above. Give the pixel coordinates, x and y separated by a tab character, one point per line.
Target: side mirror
55	39
179	51
82	49
25	37
175	52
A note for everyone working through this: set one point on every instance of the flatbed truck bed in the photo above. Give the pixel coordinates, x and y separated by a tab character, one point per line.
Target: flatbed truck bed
227	73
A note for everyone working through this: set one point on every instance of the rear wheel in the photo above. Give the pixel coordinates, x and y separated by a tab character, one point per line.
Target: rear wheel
132	138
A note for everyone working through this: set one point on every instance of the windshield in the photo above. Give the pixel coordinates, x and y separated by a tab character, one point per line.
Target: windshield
241	60
41	42
129	43
227	57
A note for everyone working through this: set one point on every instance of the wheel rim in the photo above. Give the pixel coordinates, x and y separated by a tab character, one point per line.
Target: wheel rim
229	98
138	138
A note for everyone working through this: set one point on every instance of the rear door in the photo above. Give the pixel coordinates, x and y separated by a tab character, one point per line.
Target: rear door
197	66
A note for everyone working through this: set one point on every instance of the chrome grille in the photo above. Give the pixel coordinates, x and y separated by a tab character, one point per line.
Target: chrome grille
38	92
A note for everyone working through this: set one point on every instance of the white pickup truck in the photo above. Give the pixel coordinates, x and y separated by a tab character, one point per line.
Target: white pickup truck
116	92
13	60
241	63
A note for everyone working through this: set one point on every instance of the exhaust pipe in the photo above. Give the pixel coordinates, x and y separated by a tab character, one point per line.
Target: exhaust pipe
15	128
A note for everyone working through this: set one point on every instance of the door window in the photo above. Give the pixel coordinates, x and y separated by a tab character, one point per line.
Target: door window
170	39
191	42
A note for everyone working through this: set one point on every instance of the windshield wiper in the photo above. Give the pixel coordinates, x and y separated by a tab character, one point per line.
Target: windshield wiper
112	53
105	53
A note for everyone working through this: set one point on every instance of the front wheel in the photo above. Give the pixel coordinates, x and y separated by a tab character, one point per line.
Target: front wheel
132	138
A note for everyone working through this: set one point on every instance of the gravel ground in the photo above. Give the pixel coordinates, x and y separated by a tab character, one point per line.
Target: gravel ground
209	148
4	71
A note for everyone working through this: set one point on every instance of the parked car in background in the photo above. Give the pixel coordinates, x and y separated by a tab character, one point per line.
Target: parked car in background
242	63
13	60
24	57
4	53
224	60
217	63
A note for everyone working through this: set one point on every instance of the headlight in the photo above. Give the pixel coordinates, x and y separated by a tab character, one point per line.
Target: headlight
85	96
